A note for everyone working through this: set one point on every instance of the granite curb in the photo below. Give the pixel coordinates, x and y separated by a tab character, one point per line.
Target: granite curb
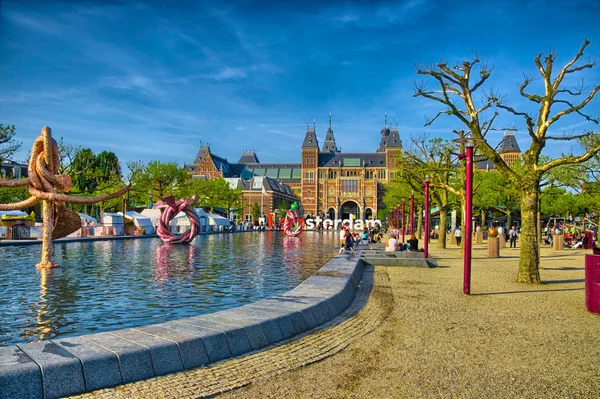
67	366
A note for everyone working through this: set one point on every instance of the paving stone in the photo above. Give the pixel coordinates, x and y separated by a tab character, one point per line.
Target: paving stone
268	324
20	377
254	330
62	374
236	336
100	366
284	321
297	319
164	354
215	342
191	347
294	305
134	360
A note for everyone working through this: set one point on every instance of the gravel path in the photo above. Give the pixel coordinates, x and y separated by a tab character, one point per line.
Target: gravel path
506	340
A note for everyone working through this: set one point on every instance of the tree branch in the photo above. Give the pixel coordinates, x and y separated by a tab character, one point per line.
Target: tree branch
575	108
569	160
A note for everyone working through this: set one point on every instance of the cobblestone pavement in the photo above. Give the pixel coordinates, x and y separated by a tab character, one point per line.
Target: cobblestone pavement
372	304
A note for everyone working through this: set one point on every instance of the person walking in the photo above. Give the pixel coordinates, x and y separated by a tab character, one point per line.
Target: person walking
512	234
458	235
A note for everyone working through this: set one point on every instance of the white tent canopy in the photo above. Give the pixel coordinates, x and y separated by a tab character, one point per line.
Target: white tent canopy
153	214
13	213
84	217
217	220
140	221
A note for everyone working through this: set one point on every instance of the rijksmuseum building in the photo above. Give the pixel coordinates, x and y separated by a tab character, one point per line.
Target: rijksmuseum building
327	183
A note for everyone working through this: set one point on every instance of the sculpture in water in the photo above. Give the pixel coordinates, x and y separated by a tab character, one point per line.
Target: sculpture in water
46	186
170	209
292	226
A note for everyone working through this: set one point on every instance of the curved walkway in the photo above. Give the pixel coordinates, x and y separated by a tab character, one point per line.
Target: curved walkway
371	306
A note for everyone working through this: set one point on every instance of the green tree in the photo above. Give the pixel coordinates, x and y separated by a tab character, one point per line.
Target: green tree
83	172
496	193
160	179
457	86
255	213
433	158
8	146
282	209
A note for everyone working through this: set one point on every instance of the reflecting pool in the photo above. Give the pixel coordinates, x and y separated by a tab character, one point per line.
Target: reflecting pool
108	285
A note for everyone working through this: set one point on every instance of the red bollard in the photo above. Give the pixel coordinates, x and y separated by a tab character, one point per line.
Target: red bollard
592	283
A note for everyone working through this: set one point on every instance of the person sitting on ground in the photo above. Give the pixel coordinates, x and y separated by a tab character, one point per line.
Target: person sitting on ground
365	235
413	243
392	244
349	241
581	242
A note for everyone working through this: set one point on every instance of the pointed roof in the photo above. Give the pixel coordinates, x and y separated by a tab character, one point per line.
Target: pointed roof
393	140
204	149
310	140
248	157
508	144
389	136
329	144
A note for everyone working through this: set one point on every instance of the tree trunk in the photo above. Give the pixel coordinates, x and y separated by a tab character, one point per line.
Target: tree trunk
442	229
530	250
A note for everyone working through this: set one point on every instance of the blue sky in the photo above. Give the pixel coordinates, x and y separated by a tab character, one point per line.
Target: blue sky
151	82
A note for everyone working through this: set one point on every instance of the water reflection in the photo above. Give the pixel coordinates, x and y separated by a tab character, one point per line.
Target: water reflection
105	285
169	265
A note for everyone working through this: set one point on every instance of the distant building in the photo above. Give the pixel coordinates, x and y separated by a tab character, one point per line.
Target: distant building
508	149
327	182
13	170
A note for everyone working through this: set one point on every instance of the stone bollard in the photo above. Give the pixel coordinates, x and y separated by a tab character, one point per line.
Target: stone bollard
502	240
558	241
493	247
452	238
479	237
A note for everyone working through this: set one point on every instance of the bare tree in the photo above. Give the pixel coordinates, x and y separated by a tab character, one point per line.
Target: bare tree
433	157
457	86
8	146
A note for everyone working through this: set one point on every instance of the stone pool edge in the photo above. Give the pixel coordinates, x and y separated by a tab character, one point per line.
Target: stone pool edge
67	366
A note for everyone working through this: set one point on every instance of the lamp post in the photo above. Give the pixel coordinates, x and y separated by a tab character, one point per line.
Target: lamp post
426	222
412	213
469	143
403	222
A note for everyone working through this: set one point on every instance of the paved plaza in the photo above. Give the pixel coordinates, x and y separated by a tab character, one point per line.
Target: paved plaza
411	333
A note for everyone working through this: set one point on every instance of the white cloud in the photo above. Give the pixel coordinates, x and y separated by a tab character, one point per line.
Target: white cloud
228	73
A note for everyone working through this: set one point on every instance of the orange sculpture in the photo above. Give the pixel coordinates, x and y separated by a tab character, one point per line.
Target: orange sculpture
46	186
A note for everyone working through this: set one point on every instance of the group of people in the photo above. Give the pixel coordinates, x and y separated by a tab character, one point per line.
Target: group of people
412	244
348	240
393	244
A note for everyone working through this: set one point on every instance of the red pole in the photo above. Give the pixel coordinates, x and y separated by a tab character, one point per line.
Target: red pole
412	214
403	222
426	242
468	217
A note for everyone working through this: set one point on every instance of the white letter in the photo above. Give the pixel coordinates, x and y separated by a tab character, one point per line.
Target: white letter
359	224
309	224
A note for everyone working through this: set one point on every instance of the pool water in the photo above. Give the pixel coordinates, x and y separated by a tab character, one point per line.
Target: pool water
109	285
